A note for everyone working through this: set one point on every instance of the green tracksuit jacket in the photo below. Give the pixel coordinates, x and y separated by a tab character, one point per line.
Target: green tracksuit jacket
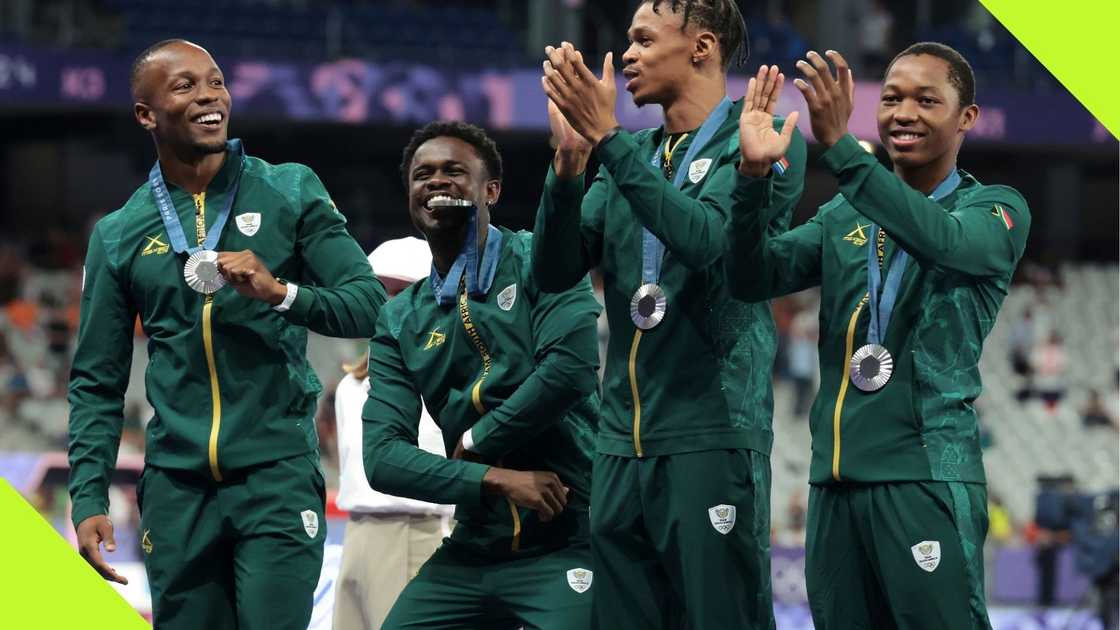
514	365
701	379
921	426
227	376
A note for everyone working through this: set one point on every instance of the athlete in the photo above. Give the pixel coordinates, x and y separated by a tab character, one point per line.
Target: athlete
509	375
387	538
232	496
913	266
680	514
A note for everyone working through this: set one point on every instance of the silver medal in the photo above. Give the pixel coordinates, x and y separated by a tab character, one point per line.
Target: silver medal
201	272
871	367
647	307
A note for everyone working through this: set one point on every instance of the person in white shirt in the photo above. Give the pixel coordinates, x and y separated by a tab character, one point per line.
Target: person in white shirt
387	538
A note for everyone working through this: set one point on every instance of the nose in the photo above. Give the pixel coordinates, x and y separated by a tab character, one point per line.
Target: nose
631	55
906	112
437	181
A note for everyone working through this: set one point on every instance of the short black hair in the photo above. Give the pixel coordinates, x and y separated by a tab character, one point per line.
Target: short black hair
722	17
144	57
473	135
960	71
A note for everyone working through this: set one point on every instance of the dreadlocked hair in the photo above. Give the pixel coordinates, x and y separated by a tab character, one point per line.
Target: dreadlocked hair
721	17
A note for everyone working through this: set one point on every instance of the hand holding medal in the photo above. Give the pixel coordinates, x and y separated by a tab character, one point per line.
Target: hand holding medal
248	275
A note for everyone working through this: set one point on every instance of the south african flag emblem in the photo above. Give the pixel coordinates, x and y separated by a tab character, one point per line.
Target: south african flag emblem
1003	215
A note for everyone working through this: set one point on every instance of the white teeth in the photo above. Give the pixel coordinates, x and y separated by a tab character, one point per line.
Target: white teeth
444	201
207	118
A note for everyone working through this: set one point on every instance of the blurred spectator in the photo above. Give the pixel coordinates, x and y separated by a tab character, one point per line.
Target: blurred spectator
793	535
1048	364
1095	414
1052	518
1095	529
802	359
1000	529
1022	342
875	29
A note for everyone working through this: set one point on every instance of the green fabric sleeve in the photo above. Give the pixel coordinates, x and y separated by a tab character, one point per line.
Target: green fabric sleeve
767	259
694	230
98	380
766	262
391	419
568	234
338	294
566	351
973	238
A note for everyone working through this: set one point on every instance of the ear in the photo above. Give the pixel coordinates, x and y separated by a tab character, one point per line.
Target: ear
144	115
493	191
705	47
968	118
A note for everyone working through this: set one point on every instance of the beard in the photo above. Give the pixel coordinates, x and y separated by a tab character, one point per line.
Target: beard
208	147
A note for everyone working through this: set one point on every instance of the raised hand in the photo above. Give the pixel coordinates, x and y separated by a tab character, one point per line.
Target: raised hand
830	99
759	144
572	149
587	102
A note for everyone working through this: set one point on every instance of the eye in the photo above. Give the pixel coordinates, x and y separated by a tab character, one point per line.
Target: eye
217	82
925	100
184	85
645	42
890	98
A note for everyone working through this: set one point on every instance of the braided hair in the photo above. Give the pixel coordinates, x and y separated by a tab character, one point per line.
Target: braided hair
721	17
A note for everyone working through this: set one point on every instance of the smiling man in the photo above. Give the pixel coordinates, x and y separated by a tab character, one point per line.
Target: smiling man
913	266
509	375
681	491
232	496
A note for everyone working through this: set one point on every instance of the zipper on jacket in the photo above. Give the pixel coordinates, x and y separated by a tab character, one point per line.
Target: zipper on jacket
633	369
476	391
849	348
208	347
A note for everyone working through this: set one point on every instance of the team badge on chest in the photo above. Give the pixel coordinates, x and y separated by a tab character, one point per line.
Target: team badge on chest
722	517
249	222
507	297
698	169
927	554
580	579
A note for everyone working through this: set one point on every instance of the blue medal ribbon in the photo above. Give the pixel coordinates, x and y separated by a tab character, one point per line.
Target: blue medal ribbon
480	275
881	307
171	217
653	250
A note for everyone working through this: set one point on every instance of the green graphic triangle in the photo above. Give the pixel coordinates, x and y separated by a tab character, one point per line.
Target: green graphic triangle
47	584
1074	41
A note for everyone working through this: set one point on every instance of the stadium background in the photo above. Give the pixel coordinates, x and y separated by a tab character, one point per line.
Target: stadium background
341	85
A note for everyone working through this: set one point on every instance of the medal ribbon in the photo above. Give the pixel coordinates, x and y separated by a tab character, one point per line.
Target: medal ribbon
653	250
171	217
479	276
881	307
